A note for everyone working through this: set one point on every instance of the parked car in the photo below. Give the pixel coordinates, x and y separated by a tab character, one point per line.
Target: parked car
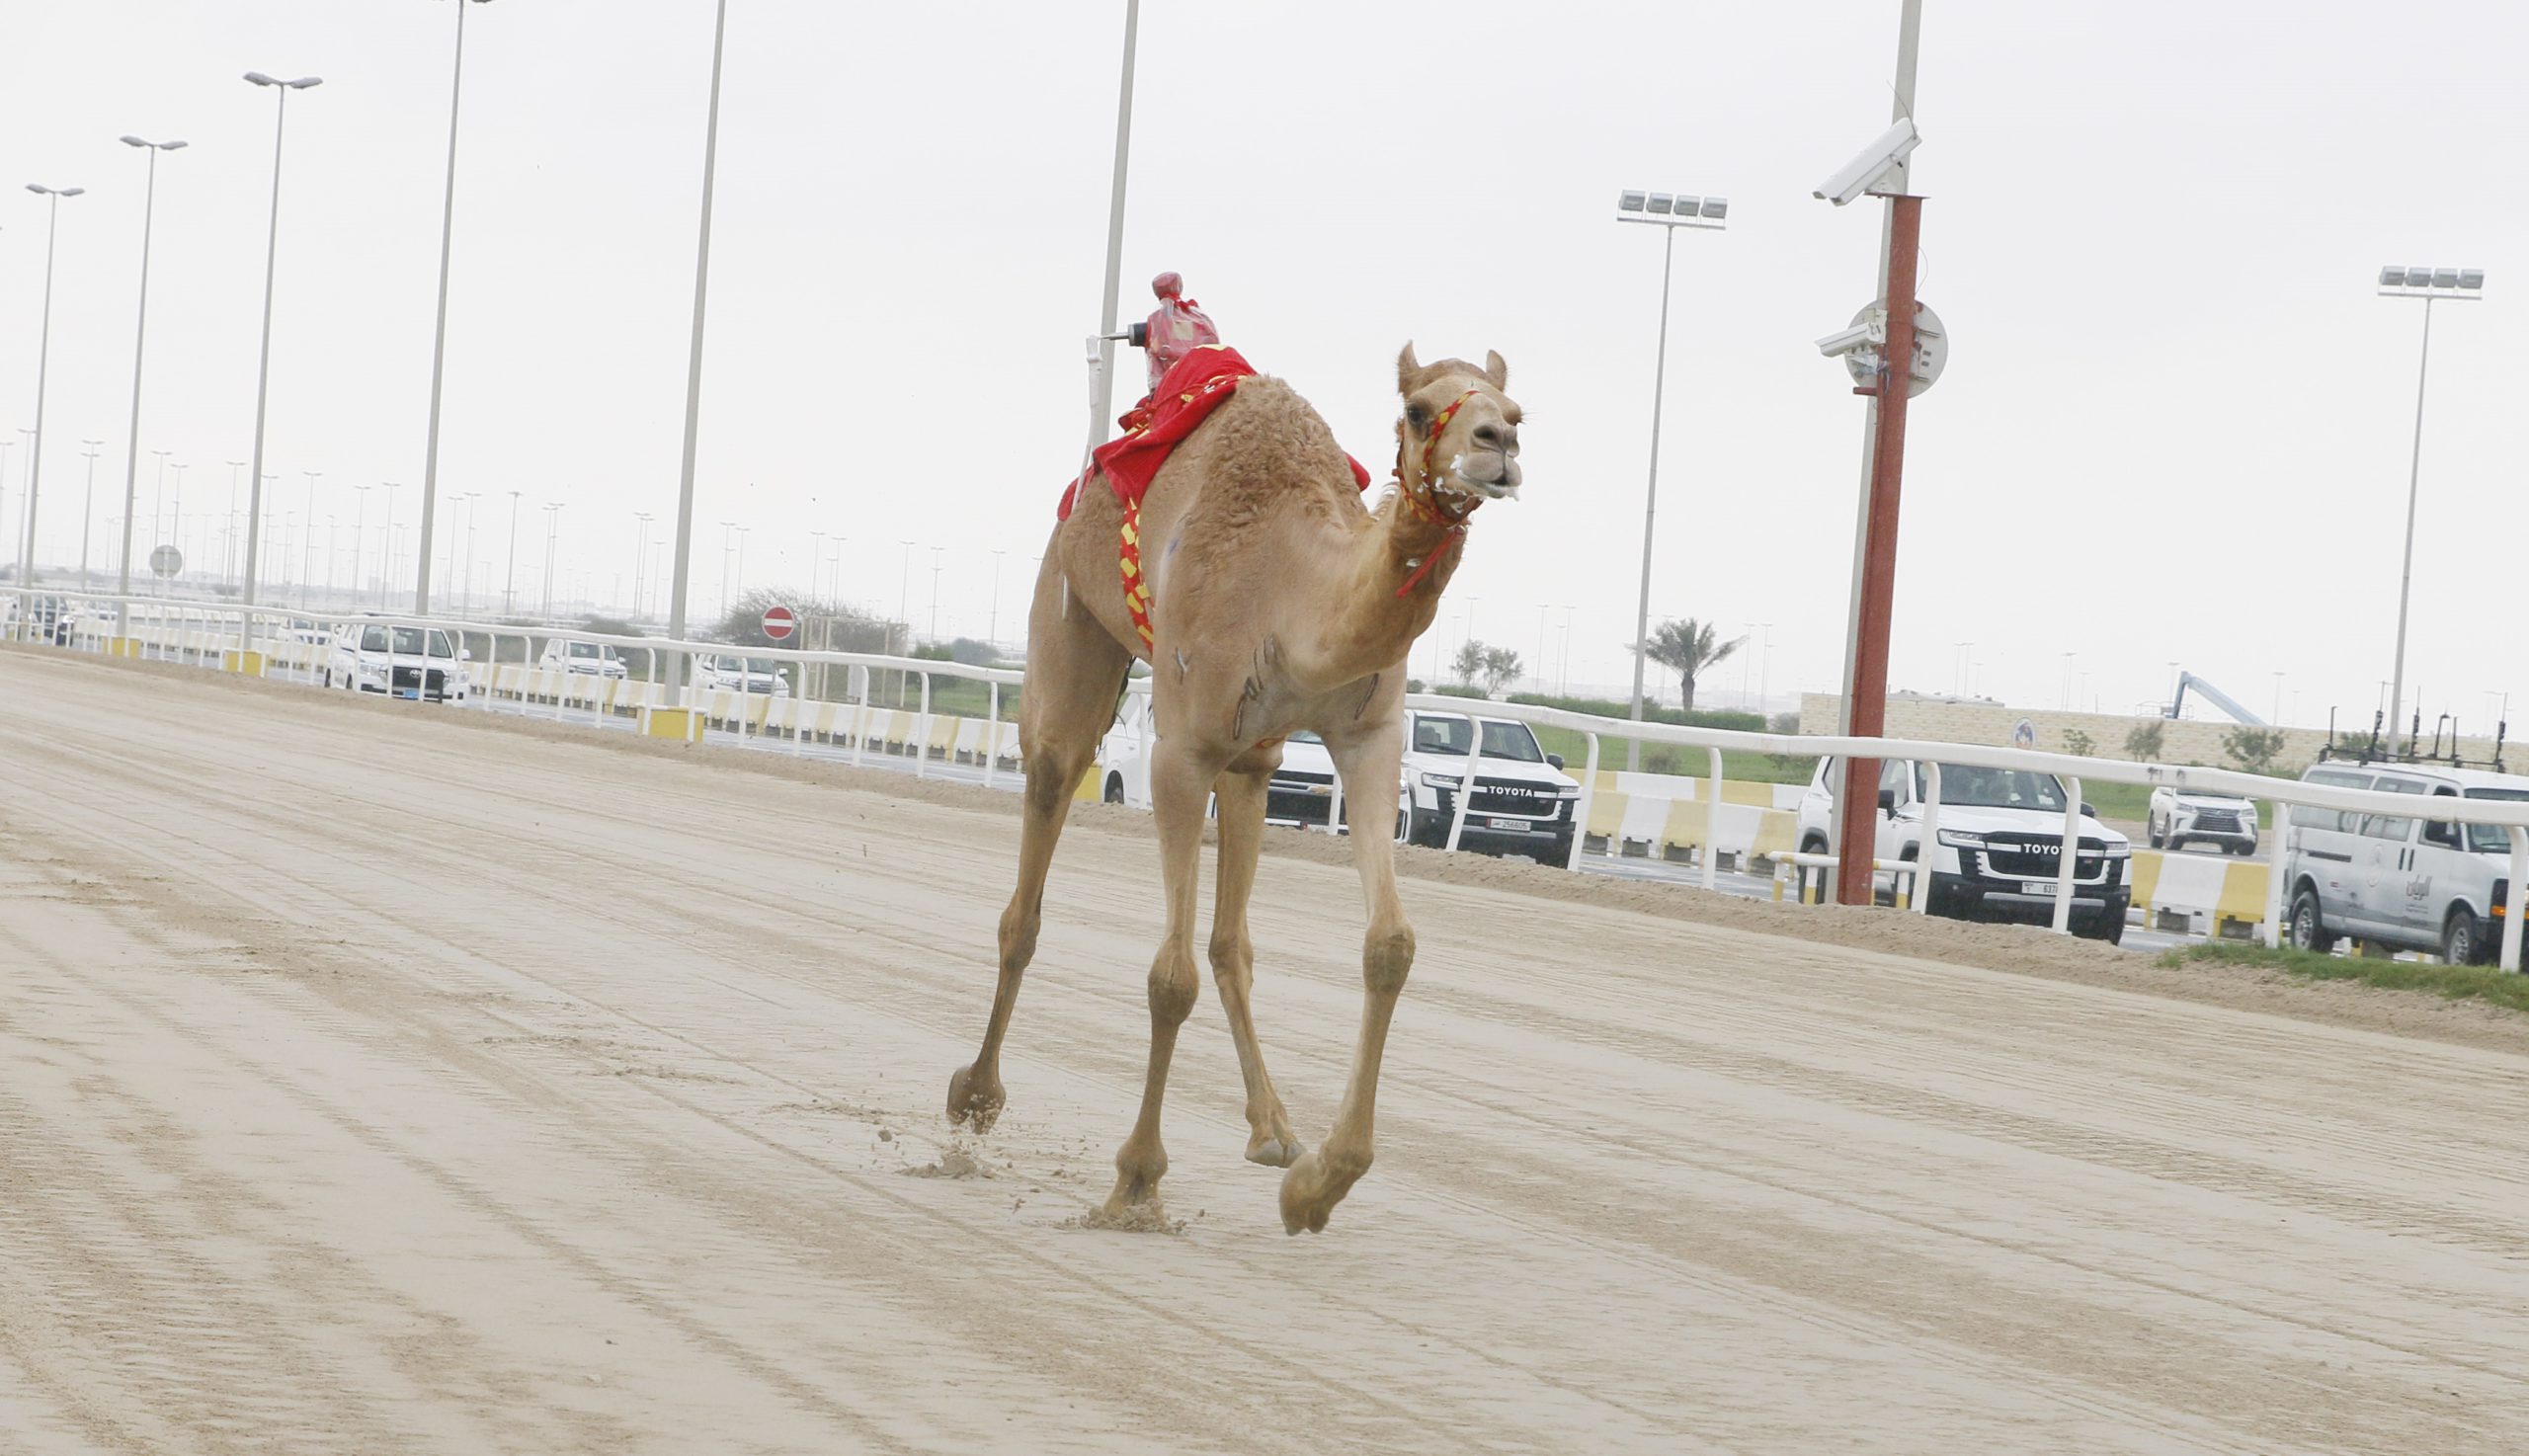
37	618
590	659
2179	817
1522	802
740	673
2409	881
2002	839
1302	791
420	663
1124	759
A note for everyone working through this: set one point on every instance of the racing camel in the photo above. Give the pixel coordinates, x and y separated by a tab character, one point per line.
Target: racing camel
1273	602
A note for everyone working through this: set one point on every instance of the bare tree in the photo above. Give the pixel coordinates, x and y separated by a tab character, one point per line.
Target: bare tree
1688	647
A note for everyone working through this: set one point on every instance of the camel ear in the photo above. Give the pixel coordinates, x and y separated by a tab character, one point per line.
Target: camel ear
1496	371
1407	368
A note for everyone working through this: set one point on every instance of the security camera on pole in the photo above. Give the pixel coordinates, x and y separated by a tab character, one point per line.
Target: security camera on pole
1881	332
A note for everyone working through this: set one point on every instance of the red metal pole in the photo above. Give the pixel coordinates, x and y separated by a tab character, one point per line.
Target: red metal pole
1869	687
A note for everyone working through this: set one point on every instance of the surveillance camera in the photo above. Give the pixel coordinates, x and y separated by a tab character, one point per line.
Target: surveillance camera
1863	171
1860	336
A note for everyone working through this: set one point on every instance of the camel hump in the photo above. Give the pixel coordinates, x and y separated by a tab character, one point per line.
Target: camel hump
1268	440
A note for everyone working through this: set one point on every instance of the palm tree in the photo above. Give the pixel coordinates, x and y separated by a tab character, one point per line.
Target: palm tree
1688	647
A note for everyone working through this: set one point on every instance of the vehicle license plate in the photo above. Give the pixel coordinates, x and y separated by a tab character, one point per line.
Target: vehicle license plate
1506	823
2037	887
415	693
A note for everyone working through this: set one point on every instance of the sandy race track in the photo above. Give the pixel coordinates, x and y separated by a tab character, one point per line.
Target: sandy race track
378	1078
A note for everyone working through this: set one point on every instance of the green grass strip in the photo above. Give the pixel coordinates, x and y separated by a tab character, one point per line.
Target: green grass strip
2458	983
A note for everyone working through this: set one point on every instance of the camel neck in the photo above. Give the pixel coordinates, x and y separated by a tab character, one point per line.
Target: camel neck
1388	585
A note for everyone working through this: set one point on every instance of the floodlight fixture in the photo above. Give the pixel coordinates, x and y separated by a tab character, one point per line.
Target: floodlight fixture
2406	281
1670	210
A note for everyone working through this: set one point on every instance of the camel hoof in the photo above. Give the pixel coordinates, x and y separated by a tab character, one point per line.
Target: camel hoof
1309	1196
974	1103
1274	1152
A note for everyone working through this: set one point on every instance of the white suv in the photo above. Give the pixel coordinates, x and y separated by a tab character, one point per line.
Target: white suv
590	659
1523	802
2002	840
738	673
420	663
1301	792
2181	816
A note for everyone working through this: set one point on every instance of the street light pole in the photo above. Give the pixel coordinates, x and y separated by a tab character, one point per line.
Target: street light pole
552	526
438	329
992	630
727	528
263	357
1670	214
677	665
360	537
1862	711
640	563
509	585
88	509
2431	285
43	363
387	542
307	545
904	591
1098	419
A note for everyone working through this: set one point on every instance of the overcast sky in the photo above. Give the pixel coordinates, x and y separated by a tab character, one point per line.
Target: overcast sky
2174	427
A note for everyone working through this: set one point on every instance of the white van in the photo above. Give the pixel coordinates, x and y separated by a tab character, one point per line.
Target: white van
2404	880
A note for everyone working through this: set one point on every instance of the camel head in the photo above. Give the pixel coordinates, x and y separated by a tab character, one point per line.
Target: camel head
1459	430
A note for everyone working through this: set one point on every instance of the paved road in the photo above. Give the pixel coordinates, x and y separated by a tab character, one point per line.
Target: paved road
385	1082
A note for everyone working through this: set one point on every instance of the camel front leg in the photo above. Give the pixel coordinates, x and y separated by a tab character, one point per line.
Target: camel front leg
1320	1179
1179	786
1240	796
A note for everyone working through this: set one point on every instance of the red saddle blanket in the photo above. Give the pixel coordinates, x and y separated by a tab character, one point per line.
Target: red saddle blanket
1185	396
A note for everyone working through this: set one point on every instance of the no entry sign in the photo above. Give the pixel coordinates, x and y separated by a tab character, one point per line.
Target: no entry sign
778	623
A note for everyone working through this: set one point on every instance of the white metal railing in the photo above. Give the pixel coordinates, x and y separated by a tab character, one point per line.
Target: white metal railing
254	624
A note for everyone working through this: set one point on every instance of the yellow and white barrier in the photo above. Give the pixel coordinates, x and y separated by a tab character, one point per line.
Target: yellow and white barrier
2232	892
1667	814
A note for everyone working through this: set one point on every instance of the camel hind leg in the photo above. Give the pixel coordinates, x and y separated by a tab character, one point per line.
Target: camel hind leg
1240	799
1075	669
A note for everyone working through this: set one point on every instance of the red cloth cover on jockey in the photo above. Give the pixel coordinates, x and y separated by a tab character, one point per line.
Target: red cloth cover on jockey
1186	395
